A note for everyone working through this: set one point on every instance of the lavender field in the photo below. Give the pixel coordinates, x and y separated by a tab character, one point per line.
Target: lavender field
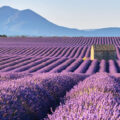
54	78
55	55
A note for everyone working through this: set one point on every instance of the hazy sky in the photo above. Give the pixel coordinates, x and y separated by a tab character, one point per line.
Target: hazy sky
81	14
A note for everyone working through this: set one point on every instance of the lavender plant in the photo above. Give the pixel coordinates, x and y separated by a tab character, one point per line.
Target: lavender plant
31	97
96	98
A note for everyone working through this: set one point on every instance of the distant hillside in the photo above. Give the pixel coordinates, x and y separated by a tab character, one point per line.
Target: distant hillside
26	22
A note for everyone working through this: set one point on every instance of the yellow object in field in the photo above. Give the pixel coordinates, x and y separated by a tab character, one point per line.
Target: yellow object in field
92	52
84	58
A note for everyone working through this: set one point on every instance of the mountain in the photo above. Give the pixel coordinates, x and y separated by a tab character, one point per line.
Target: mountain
15	22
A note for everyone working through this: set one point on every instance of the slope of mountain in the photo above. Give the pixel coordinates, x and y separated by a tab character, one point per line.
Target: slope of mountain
26	22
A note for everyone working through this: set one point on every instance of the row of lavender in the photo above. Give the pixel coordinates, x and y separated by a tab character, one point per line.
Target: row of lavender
32	97
68	52
58	41
96	98
56	65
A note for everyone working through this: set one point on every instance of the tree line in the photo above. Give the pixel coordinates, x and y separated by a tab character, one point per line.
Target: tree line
3	35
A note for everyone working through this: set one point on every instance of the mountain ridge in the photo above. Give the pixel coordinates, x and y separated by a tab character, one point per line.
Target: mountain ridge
26	22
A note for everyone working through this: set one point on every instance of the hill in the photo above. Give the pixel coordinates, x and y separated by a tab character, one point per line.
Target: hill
26	22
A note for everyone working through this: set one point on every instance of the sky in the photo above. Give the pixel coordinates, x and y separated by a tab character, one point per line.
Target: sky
81	14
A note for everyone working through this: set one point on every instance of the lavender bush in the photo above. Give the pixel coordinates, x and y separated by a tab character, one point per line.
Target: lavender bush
31	97
96	98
